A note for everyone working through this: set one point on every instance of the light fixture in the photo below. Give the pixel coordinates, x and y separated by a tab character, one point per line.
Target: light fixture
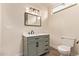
32	10
62	7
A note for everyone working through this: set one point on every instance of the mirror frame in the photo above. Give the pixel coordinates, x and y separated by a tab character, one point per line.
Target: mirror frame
26	19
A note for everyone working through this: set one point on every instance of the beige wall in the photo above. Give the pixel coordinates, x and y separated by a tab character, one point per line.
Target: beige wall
13	26
0	32
65	22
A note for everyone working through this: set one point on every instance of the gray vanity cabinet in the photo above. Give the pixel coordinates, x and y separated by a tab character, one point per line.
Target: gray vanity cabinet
36	45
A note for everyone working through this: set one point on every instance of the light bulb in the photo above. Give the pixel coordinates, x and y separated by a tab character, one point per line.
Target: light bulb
38	17
27	9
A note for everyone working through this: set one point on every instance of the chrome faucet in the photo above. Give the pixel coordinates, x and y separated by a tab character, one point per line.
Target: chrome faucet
31	32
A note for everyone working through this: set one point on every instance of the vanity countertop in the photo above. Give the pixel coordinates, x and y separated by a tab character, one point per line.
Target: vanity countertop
30	35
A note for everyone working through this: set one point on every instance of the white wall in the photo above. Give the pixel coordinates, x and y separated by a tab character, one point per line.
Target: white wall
13	26
65	22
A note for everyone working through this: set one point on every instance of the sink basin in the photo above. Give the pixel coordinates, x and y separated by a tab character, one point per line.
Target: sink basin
30	35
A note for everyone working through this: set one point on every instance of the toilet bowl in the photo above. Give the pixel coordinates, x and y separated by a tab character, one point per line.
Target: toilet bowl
67	43
64	50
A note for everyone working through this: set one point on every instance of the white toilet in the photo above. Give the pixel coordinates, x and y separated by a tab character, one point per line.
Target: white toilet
67	43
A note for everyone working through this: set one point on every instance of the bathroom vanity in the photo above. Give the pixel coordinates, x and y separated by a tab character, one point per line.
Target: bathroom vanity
35	45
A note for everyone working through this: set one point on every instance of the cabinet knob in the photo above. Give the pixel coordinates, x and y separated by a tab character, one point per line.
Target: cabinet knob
37	44
46	49
46	45
46	41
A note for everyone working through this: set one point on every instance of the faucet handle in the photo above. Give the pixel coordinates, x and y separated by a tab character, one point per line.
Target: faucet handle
28	32
32	32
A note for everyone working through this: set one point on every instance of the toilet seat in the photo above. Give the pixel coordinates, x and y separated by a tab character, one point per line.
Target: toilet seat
64	48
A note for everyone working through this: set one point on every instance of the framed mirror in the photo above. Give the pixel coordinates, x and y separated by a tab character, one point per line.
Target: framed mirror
32	20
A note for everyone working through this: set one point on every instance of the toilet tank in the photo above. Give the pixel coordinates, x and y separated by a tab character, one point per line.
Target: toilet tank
68	41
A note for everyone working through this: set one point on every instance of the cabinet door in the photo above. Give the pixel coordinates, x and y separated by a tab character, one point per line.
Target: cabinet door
40	49
32	49
43	45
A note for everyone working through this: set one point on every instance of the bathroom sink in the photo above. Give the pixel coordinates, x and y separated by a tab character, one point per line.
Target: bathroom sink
30	35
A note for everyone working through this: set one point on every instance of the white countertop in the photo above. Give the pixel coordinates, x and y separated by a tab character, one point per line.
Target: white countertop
30	35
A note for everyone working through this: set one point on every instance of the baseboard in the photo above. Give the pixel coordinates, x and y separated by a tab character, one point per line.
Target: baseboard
19	54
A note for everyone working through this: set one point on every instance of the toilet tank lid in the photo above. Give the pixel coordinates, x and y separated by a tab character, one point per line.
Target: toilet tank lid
68	37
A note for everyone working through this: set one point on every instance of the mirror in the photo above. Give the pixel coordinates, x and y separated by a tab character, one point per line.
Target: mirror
32	20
